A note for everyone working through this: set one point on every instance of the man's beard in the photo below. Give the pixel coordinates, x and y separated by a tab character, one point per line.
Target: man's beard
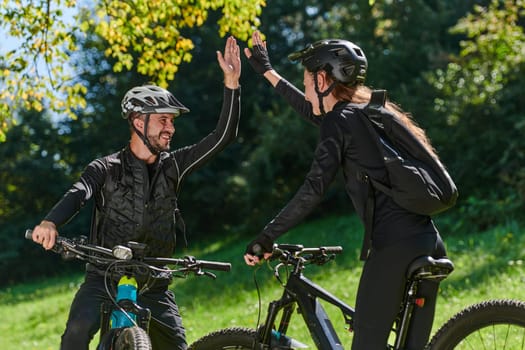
157	143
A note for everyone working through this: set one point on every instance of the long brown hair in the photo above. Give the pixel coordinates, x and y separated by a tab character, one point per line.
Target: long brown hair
361	94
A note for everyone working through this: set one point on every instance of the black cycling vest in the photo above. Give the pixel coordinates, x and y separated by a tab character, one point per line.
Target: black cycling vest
134	207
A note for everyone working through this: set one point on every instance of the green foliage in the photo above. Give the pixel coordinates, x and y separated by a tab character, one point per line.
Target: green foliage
34	75
488	264
490	57
140	34
32	172
480	93
147	34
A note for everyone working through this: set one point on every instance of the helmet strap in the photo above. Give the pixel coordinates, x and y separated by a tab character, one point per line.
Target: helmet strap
322	95
144	137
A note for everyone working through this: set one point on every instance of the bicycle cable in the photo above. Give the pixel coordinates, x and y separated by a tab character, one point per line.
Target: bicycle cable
257	288
258	295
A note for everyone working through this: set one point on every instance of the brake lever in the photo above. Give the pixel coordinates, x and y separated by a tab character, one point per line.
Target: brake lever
67	255
209	274
323	258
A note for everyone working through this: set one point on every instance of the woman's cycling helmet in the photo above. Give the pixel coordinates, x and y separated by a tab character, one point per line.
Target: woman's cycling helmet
344	60
148	99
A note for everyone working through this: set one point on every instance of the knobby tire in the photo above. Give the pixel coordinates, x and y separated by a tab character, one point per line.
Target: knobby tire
493	324
133	338
236	338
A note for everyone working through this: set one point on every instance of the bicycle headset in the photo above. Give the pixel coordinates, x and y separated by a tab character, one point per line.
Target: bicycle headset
149	99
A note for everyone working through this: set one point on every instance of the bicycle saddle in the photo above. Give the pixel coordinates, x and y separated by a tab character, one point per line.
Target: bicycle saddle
426	267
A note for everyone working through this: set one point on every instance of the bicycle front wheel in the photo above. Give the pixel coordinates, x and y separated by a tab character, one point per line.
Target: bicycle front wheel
133	338
493	324
236	338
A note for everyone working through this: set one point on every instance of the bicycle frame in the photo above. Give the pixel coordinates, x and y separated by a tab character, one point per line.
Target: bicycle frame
306	294
302	292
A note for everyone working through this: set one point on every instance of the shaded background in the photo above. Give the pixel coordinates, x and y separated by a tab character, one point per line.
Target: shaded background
469	100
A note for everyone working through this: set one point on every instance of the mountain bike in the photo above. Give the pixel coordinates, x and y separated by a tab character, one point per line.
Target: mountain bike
128	273
462	331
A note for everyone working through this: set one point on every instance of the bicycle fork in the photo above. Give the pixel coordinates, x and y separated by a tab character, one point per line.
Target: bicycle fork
276	338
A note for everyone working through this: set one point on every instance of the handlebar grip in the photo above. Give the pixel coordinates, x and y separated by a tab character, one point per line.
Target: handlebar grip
29	234
333	249
212	265
58	240
324	250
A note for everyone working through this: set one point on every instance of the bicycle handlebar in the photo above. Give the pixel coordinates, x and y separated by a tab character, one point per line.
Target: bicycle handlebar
189	262
79	248
300	255
299	249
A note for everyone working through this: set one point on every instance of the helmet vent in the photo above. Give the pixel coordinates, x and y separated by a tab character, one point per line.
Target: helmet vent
349	70
150	100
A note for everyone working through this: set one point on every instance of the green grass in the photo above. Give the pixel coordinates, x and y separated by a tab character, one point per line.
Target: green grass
488	265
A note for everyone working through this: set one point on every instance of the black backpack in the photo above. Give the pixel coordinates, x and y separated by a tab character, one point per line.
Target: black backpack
418	181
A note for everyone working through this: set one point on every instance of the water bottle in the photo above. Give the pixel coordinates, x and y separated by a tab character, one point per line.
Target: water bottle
127	289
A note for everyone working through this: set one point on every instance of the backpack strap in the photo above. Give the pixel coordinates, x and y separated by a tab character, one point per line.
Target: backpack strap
377	100
369	221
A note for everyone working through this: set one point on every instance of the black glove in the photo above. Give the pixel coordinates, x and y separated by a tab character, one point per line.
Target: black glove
259	246
259	60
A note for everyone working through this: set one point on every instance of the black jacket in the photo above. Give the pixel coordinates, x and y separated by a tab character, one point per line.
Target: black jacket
131	204
344	144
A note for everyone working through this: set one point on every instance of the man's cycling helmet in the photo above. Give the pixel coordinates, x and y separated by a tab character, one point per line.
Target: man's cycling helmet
151	99
344	60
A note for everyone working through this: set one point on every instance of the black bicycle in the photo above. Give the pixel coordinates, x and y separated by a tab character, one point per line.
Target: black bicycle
128	273
461	331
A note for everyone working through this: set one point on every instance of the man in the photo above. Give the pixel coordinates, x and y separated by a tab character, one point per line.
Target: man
135	192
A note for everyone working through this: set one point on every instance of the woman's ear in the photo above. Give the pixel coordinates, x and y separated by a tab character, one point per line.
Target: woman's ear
322	81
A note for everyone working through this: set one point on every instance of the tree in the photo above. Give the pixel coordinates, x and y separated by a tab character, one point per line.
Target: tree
33	173
480	91
144	35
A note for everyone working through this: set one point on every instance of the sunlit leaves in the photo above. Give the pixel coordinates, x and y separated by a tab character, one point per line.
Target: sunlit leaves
143	35
147	33
34	74
492	54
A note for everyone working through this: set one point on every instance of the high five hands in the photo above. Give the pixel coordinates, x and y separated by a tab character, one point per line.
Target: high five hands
230	63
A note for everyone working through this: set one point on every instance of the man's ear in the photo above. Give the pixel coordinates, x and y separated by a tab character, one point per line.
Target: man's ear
138	123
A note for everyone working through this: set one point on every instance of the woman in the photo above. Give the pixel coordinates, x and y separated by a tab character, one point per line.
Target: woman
333	80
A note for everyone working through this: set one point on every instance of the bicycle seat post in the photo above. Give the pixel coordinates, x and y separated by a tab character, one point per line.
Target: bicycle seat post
419	270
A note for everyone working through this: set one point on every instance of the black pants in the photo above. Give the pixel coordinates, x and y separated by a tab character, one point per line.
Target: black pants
381	291
165	330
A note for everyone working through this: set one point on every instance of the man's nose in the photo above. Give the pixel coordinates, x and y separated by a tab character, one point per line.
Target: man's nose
169	127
